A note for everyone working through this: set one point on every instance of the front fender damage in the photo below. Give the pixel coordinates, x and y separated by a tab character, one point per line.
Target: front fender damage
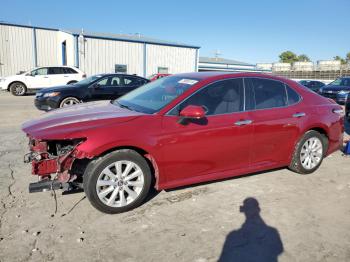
58	164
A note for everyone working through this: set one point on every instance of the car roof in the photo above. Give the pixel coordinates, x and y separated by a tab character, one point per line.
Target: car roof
222	75
55	66
117	74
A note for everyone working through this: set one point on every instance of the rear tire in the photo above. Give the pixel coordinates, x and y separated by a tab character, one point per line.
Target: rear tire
18	89
112	191
69	101
309	153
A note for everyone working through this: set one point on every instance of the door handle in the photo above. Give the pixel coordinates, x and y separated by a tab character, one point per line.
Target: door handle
297	115
46	77
65	76
243	122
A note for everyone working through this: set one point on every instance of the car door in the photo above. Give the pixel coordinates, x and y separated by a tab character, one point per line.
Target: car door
39	78
212	147
70	74
129	83
276	119
104	89
57	76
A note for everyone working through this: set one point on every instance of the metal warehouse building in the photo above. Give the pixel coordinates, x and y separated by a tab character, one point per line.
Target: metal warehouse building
25	47
226	65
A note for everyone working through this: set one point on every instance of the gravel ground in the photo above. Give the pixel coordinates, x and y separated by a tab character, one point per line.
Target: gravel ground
302	218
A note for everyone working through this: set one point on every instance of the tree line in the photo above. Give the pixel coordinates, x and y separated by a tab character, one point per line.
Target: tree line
291	57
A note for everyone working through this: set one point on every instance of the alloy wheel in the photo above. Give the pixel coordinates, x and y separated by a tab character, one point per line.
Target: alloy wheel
120	183
70	102
19	89
311	153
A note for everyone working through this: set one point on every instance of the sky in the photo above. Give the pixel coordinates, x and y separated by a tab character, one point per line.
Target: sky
252	31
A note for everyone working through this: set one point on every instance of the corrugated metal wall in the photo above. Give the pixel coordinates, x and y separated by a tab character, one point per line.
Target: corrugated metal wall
177	59
47	47
101	56
16	49
96	55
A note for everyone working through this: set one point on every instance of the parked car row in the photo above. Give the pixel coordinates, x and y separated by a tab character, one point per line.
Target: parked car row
180	130
338	90
53	76
97	87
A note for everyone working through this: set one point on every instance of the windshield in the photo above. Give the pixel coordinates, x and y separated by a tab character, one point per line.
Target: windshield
153	96
89	80
341	82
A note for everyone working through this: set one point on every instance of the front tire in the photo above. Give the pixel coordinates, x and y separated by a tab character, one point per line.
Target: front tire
69	101
117	182
18	89
309	152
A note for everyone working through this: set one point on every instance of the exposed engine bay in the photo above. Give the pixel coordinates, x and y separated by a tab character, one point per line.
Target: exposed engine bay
56	163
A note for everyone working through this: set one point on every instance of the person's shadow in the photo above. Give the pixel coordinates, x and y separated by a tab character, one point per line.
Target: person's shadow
254	241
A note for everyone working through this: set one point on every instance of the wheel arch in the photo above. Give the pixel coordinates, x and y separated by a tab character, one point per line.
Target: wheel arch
144	153
323	130
16	81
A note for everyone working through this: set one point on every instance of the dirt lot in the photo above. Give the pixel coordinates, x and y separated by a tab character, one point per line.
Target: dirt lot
310	214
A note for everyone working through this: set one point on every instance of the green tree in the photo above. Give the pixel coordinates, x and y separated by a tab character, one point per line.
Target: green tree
342	60
288	57
348	57
303	58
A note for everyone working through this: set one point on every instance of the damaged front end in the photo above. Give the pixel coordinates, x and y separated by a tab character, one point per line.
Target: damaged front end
57	163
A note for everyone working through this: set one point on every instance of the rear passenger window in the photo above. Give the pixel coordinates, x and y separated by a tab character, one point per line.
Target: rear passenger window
268	93
293	96
56	71
130	81
68	70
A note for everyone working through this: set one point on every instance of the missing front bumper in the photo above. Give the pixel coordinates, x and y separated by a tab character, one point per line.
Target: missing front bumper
46	185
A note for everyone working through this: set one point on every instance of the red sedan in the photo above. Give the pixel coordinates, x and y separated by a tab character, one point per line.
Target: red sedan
154	77
181	130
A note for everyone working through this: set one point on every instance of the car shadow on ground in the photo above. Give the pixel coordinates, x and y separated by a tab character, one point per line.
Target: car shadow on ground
254	241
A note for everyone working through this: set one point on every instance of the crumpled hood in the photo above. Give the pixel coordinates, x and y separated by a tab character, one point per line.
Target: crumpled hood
77	121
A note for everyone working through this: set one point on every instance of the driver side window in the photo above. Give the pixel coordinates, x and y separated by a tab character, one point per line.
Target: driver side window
103	82
222	97
40	71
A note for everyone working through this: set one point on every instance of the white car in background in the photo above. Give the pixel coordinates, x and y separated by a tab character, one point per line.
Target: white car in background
41	77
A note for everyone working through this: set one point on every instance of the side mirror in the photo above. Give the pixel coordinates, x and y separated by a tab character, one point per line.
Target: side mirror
96	86
192	112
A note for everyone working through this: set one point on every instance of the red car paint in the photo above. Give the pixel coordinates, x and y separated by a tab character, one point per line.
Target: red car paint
188	154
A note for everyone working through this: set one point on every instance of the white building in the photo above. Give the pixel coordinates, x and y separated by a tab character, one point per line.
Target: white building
228	65
25	47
